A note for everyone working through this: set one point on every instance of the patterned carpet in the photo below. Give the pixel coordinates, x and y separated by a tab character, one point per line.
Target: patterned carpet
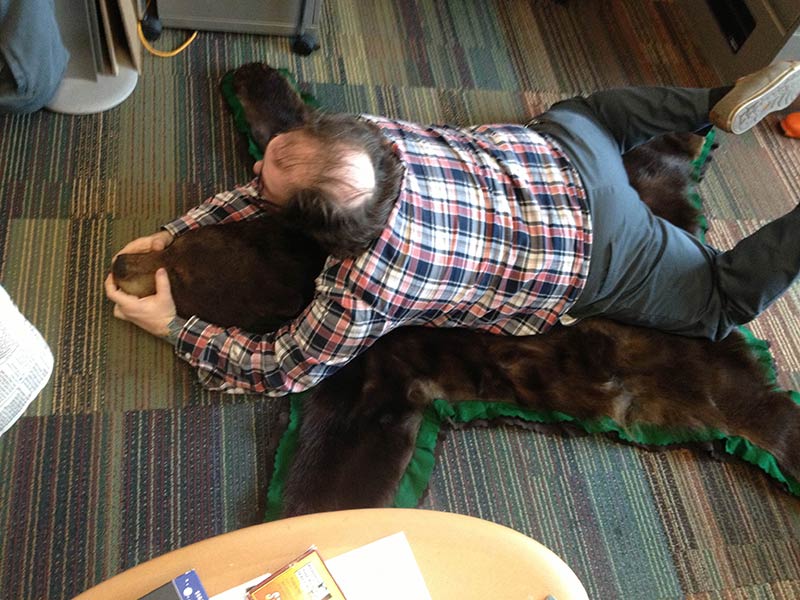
124	457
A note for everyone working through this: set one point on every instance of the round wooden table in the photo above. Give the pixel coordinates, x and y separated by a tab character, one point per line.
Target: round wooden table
460	557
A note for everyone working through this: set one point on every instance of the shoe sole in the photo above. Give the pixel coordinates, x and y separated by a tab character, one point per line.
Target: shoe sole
776	95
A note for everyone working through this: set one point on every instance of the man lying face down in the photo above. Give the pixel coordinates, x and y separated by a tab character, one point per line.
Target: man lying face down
336	178
505	228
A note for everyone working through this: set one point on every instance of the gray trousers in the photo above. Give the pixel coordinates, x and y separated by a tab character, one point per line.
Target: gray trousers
643	270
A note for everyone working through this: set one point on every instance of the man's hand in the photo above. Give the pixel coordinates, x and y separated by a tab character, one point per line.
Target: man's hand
149	243
151	313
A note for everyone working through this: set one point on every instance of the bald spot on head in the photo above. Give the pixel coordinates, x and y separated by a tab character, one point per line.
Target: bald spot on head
294	161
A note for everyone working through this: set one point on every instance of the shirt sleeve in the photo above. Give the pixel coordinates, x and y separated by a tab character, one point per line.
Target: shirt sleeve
239	204
333	330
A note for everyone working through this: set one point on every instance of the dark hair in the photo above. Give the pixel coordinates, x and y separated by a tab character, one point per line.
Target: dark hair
345	229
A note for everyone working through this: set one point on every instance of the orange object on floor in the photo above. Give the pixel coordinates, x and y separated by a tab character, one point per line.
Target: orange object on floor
791	125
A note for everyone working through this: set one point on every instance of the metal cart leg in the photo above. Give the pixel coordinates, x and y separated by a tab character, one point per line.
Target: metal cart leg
304	43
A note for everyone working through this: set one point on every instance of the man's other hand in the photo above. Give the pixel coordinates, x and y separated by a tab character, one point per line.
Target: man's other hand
151	313
149	243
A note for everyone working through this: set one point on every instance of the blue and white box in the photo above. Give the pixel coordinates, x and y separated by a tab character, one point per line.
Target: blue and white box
183	587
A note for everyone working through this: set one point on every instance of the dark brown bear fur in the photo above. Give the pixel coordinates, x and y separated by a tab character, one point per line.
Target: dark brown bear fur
255	274
270	104
359	426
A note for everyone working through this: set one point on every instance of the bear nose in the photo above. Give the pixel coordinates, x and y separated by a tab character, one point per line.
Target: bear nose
120	267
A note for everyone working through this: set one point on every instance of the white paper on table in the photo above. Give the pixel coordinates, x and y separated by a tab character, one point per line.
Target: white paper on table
238	592
384	569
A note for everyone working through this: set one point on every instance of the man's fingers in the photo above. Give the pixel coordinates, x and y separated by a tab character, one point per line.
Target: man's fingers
110	286
137	246
162	282
118	313
112	291
150	243
116	295
161	240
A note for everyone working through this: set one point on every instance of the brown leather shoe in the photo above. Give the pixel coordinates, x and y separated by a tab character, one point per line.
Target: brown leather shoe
756	95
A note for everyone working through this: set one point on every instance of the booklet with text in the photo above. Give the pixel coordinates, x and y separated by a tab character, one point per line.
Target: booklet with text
385	569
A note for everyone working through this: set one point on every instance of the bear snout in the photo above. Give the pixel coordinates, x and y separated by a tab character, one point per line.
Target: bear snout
135	273
120	267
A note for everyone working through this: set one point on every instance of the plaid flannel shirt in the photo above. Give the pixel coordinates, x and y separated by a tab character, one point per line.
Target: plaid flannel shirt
491	231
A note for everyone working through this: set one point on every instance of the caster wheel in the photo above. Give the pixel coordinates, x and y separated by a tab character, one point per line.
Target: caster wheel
151	28
305	44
